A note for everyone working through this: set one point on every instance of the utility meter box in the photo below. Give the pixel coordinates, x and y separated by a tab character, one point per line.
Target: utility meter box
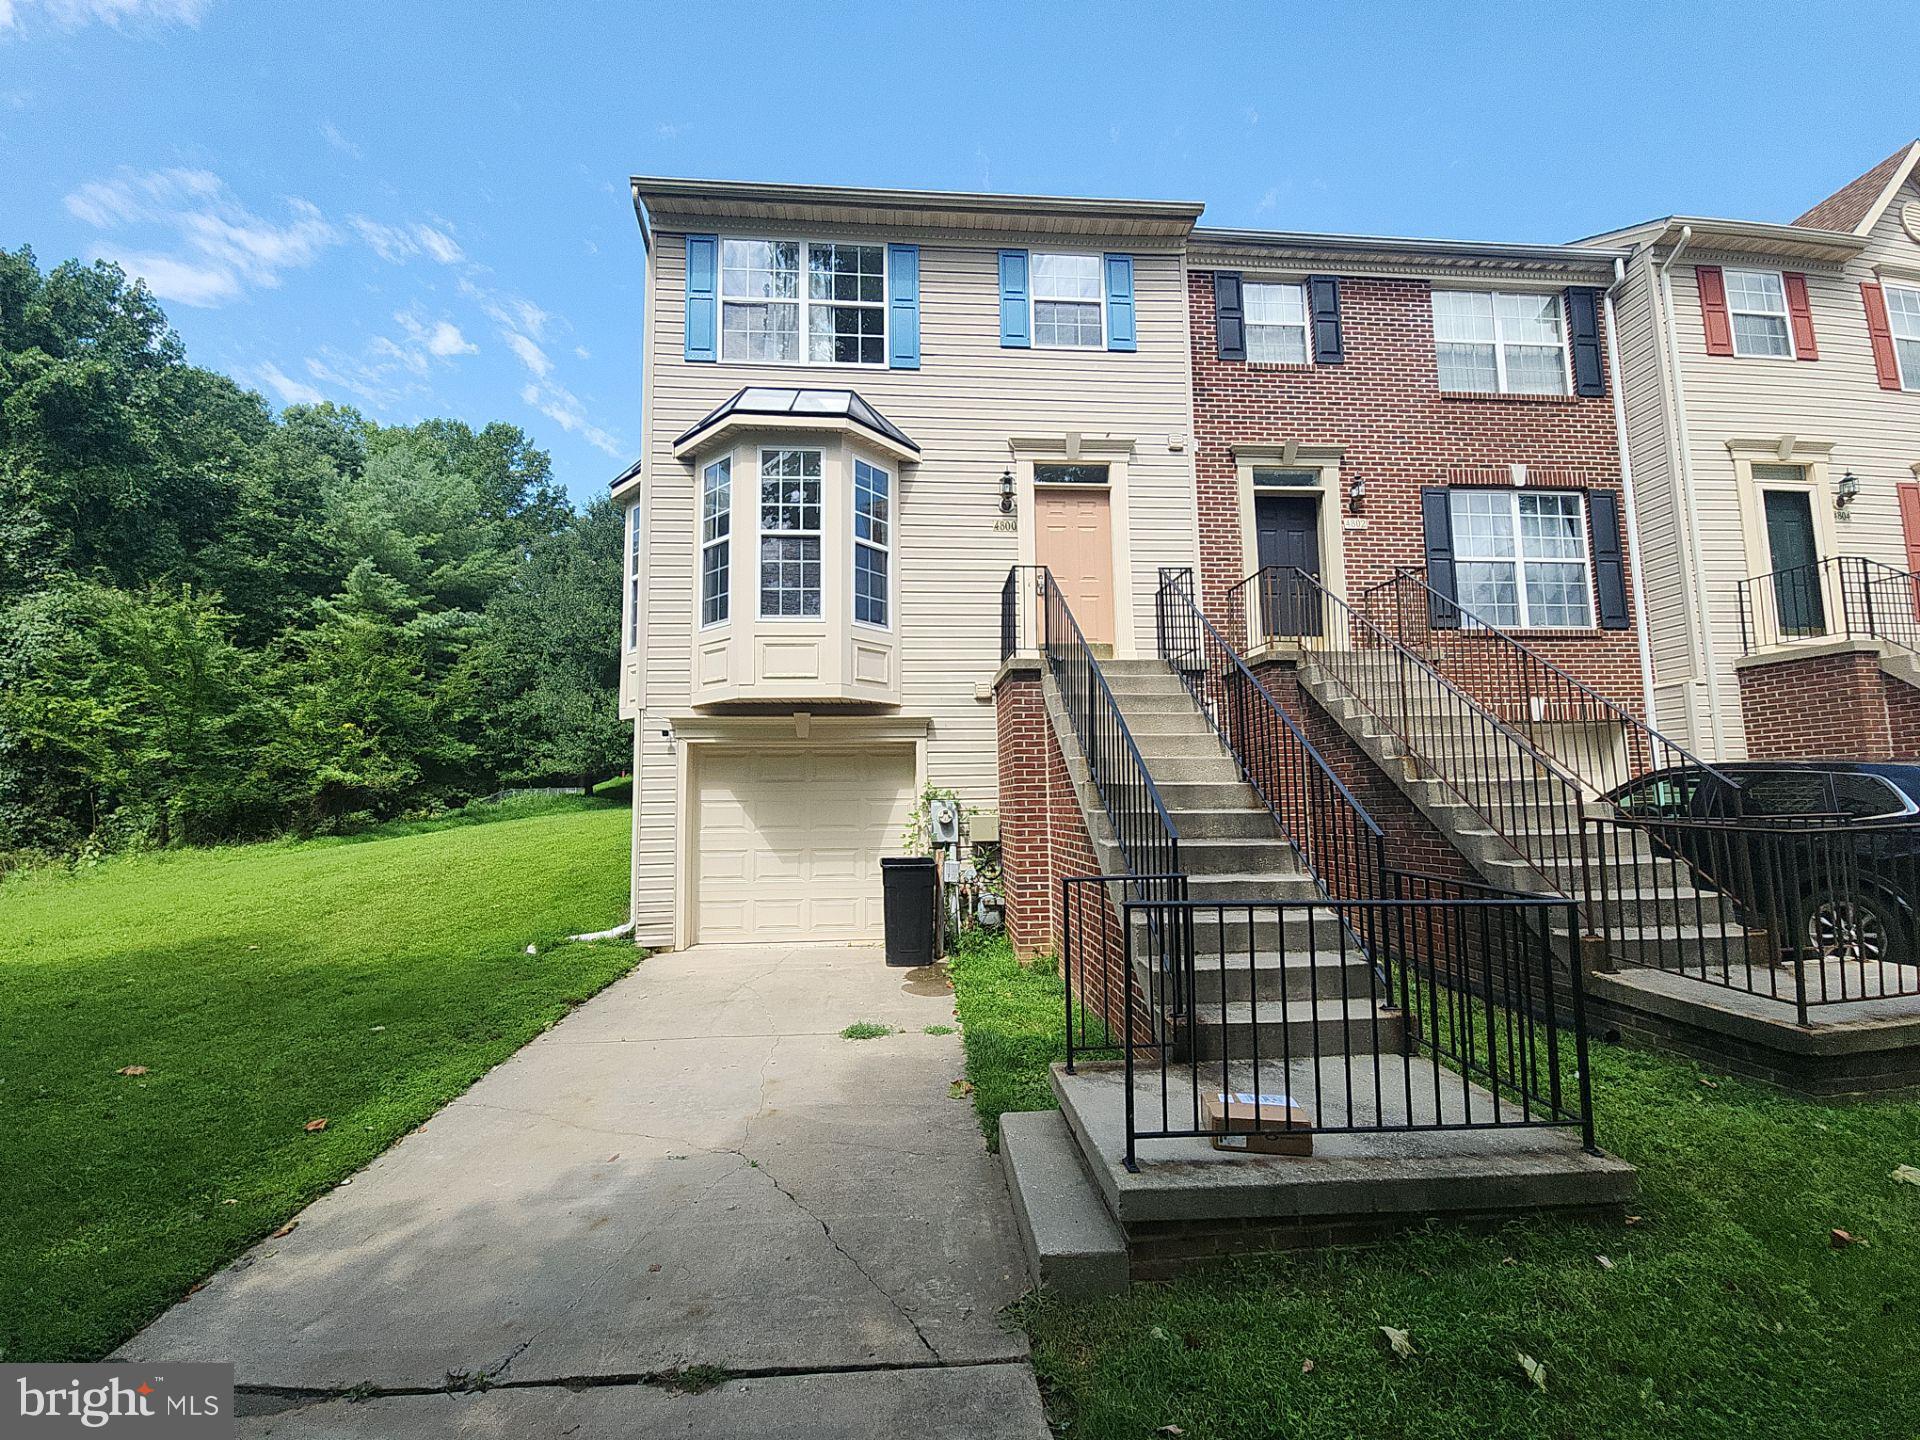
943	822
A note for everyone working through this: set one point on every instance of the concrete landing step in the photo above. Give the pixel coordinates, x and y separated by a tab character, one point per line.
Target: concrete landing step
1073	1244
1280	1030
1190	1202
1297	977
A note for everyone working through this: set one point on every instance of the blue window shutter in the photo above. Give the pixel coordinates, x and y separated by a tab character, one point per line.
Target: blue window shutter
1120	303
1436	516
1609	559
1583	313
1016	319
703	271
1323	305
903	307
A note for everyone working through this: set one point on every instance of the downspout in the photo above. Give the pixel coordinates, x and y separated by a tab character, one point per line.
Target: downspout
1703	614
1626	495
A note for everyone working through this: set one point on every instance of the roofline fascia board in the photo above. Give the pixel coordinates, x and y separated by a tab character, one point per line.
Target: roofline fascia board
1668	229
1406	247
1901	174
650	191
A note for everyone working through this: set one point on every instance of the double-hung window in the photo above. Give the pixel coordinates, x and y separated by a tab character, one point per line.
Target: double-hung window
1500	342
872	542
1520	558
1903	318
716	540
1757	305
838	316
1067	301
790	534
1276	318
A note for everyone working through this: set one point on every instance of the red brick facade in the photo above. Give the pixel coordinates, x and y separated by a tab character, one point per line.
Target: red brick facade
1399	434
1822	707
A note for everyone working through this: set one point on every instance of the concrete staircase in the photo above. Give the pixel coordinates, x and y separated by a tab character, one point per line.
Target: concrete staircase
1300	994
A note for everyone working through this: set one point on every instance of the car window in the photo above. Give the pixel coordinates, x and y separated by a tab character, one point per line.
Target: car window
1663	796
1785	792
1866	796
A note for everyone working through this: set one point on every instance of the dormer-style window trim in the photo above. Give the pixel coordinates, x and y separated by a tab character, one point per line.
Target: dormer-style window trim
779	407
1500	342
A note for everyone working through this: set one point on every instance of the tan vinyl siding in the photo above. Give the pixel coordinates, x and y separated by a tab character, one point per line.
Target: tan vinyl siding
962	406
1835	400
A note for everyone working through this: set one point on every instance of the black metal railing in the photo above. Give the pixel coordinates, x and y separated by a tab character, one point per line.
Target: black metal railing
1811	910
1843	597
1456	1016
1338	842
1020	611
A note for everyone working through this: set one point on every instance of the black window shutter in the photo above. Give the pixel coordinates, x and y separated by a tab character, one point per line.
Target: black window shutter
1437	516
1609	559
1323	303
1583	309
1229	319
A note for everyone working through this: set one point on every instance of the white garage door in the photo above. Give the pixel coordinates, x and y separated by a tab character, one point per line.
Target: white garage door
787	843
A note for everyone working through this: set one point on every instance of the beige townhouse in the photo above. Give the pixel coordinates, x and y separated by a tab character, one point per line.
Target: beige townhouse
861	408
1771	374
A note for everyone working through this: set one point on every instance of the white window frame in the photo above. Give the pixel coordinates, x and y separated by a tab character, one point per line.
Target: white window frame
1909	379
761	534
1520	560
883	547
722	542
1500	342
1305	327
1784	314
632	616
805	303
1034	297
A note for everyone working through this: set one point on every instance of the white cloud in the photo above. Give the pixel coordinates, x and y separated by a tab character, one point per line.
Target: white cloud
173	279
668	131
1252	115
335	137
400	243
222	246
442	338
1268	201
73	14
561	406
529	354
583	352
290	390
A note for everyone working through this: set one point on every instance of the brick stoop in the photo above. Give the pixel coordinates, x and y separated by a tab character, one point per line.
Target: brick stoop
1836	699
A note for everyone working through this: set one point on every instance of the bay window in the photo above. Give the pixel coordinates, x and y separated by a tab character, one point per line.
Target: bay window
1757	305
1067	301
838	316
1500	342
872	545
633	576
1276	320
1903	318
1520	558
716	540
790	534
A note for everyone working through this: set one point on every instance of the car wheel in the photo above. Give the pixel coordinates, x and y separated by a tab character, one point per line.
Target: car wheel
1855	927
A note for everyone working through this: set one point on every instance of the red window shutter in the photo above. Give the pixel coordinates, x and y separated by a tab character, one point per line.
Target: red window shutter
1801	314
1713	309
1881	333
1910	523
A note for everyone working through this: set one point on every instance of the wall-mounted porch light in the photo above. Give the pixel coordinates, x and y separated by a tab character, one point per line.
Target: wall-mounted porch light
1846	492
1357	496
1006	492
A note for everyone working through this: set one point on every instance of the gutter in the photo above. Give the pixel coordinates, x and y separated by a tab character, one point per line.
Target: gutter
1626	492
1703	622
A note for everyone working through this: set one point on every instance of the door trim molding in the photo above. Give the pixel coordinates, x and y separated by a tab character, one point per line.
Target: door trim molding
1114	452
1322	460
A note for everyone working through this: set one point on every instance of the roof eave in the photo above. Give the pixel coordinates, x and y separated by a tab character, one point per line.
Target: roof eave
1408	250
1745	237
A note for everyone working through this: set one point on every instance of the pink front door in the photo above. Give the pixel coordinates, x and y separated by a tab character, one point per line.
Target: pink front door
1074	539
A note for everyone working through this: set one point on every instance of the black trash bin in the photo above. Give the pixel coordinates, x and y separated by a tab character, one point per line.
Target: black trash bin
910	899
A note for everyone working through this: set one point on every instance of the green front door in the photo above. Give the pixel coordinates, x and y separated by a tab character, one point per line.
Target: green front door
1796	563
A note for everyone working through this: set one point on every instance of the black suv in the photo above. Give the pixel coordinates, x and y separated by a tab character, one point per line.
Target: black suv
1825	848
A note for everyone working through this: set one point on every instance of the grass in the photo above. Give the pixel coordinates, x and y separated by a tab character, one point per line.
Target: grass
865	1030
363	980
1726	1312
1010	1025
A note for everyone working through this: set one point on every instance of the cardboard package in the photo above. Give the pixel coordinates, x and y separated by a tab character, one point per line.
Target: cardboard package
1231	1114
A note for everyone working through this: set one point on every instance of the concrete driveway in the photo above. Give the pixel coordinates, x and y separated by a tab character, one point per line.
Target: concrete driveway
694	1170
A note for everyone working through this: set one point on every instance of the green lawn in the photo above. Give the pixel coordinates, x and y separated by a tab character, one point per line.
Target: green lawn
1726	1312
365	981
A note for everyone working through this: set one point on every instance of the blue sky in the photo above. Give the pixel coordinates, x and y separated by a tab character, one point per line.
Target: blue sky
421	208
